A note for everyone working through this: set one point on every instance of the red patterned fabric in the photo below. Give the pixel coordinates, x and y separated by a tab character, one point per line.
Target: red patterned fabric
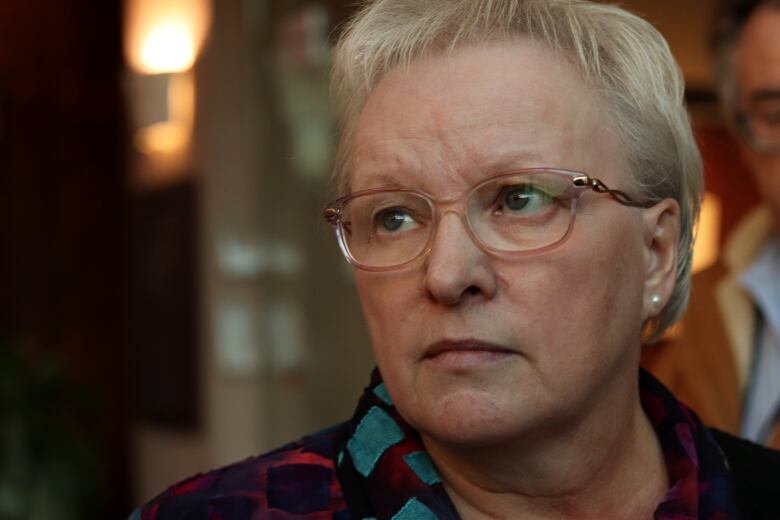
375	466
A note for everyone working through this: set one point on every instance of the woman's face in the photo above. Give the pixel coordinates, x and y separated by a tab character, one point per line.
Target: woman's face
475	349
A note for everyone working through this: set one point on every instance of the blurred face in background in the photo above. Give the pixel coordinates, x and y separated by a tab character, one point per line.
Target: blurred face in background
477	349
758	83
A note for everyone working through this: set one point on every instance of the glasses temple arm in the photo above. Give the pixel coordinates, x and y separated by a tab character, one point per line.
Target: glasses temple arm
599	187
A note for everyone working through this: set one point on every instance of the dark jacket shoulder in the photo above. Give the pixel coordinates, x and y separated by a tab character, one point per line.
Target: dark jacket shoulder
295	479
756	473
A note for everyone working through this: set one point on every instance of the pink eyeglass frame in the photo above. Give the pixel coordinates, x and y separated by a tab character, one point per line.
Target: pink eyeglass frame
580	183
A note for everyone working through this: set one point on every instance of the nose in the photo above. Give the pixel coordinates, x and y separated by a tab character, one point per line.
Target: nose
456	268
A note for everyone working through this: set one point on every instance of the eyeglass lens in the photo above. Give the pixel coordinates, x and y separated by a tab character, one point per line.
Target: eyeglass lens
762	123
522	212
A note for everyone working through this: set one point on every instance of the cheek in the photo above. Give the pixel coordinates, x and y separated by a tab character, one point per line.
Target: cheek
381	295
587	299
616	278
386	300
396	321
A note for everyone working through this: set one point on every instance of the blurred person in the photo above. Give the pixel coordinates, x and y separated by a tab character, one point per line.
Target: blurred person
724	361
518	184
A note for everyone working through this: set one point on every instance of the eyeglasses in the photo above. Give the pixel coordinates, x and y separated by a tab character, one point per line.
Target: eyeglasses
510	215
760	125
762	133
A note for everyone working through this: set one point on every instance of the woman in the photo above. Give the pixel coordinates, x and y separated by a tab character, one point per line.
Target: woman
521	183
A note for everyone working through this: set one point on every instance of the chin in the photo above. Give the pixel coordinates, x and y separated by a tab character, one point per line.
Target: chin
470	418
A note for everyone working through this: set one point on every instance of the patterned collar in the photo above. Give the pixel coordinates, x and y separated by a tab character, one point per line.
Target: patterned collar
385	472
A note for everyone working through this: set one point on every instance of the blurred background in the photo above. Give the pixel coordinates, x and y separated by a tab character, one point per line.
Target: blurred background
170	300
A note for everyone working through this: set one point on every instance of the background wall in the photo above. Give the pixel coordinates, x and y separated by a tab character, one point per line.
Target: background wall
686	26
283	348
63	352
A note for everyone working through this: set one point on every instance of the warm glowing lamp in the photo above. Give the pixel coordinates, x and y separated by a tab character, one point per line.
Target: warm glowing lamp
162	42
169	46
164	36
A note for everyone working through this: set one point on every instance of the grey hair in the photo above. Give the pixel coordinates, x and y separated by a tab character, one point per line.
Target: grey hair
625	60
725	39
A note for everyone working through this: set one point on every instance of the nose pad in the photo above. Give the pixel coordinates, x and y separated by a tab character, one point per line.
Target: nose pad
457	265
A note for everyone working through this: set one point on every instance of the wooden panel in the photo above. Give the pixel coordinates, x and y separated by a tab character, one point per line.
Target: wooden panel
61	205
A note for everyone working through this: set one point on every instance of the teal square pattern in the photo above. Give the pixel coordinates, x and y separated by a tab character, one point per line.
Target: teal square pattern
415	510
376	432
423	467
381	392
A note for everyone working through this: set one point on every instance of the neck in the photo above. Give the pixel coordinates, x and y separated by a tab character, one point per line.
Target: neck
602	468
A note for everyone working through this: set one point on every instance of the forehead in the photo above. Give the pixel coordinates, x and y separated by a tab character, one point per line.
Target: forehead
758	52
478	111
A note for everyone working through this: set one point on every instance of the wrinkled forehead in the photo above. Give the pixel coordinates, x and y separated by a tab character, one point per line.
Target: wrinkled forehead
480	110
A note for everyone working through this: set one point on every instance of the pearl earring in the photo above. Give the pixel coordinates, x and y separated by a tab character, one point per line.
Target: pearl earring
655	300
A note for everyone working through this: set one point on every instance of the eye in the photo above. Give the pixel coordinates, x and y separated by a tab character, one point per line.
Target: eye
770	118
523	198
516	198
394	219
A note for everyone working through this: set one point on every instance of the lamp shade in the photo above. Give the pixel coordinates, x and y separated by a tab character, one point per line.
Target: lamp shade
164	36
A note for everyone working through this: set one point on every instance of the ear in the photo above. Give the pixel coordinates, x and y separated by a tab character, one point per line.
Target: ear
661	243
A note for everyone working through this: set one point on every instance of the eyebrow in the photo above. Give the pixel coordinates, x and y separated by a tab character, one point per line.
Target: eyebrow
516	160
383	180
765	94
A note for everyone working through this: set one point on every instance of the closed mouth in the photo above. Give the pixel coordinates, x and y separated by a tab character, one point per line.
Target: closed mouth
464	345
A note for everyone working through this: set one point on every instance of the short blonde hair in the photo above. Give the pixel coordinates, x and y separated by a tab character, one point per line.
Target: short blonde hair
622	57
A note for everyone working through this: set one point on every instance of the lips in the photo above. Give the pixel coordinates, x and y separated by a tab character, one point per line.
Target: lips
465	346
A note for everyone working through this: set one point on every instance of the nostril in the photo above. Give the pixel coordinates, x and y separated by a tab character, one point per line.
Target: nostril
472	289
